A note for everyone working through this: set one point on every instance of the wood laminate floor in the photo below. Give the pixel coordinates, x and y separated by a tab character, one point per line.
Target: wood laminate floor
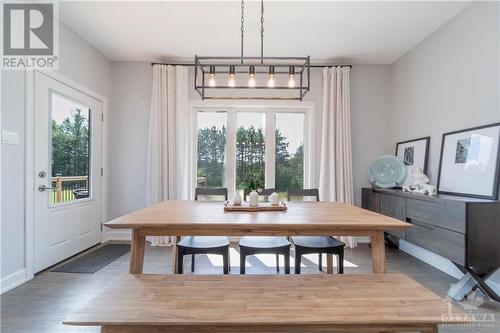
41	304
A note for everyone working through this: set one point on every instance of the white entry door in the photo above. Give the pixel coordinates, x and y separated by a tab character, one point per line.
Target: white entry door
67	148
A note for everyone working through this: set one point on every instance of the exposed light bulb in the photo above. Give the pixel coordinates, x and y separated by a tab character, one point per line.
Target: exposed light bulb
291	74
251	81
211	81
231	82
271	83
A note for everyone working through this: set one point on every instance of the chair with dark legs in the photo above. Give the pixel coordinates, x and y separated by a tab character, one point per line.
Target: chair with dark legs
204	244
315	244
251	245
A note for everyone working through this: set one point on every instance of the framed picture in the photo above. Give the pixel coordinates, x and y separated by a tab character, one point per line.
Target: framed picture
414	153
469	163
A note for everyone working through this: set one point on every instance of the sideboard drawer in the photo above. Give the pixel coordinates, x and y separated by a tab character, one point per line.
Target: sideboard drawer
446	214
447	243
393	206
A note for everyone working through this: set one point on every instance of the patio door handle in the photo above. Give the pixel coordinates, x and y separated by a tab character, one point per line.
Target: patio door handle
43	188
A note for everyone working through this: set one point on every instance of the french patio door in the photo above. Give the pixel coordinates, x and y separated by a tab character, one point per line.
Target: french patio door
67	161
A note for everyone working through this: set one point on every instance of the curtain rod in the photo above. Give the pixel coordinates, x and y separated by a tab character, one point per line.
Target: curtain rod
311	66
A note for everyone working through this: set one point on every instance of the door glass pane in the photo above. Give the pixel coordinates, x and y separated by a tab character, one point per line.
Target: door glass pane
289	171
70	137
212	127
250	150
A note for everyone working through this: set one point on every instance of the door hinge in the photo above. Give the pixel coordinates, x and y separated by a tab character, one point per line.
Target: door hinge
102	172
102	116
101	226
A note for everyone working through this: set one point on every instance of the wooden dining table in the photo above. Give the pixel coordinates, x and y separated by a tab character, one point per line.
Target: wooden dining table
198	218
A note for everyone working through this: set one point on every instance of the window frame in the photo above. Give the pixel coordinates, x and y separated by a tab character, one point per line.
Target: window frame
270	110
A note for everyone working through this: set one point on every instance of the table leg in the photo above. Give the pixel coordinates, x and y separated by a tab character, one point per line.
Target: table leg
137	252
174	255
378	252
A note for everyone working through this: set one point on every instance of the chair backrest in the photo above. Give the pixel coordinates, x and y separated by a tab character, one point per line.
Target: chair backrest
202	191
264	193
311	192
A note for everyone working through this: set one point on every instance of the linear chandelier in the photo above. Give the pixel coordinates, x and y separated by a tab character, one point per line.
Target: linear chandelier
279	78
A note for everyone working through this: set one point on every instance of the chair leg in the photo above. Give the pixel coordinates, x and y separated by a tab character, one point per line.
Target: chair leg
340	267
320	261
298	259
287	261
242	262
192	263
229	257
180	260
225	261
329	263
277	263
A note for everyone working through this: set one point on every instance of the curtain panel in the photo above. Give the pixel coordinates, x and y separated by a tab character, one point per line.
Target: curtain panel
170	168
335	176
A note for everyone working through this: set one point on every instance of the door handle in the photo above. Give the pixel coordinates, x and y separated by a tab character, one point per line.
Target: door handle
42	188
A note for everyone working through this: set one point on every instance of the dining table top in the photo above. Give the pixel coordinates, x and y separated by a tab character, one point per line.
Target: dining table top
211	217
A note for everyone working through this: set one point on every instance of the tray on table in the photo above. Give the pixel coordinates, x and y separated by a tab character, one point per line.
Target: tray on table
262	207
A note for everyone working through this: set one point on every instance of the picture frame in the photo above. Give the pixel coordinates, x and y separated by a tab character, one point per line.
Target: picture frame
469	164
414	153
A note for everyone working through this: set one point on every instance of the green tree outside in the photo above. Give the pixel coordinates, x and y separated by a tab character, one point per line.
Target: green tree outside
250	159
70	146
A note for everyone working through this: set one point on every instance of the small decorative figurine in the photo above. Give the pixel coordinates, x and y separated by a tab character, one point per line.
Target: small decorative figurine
419	183
419	178
430	189
254	198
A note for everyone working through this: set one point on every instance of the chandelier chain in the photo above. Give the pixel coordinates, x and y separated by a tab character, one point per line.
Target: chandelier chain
262	31
242	26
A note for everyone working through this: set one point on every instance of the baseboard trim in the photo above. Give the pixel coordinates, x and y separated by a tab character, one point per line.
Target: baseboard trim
117	235
13	280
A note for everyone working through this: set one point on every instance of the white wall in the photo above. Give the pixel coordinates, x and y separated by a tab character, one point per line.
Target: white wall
450	81
80	63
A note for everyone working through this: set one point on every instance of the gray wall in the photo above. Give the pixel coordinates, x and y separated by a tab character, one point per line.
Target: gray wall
80	63
450	81
131	94
12	173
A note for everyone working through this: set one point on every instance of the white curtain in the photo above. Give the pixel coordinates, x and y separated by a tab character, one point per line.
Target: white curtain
335	176
170	143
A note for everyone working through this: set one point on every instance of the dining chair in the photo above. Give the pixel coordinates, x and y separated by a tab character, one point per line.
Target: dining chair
204	244
251	245
315	244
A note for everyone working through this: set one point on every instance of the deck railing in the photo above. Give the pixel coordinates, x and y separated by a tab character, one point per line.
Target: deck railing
69	188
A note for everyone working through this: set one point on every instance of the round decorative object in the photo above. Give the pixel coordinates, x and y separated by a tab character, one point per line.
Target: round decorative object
387	171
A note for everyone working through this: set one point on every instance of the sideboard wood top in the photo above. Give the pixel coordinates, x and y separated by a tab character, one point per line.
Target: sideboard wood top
439	197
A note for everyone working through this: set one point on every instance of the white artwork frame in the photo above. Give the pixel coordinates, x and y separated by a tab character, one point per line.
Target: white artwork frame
414	154
469	164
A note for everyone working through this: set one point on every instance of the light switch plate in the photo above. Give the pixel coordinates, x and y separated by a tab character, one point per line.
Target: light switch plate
10	138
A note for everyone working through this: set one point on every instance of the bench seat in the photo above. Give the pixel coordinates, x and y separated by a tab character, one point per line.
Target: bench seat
265	303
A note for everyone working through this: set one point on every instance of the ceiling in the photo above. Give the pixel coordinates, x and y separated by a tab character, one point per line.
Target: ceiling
342	32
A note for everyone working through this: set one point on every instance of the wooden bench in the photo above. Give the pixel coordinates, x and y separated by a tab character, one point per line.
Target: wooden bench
266	303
